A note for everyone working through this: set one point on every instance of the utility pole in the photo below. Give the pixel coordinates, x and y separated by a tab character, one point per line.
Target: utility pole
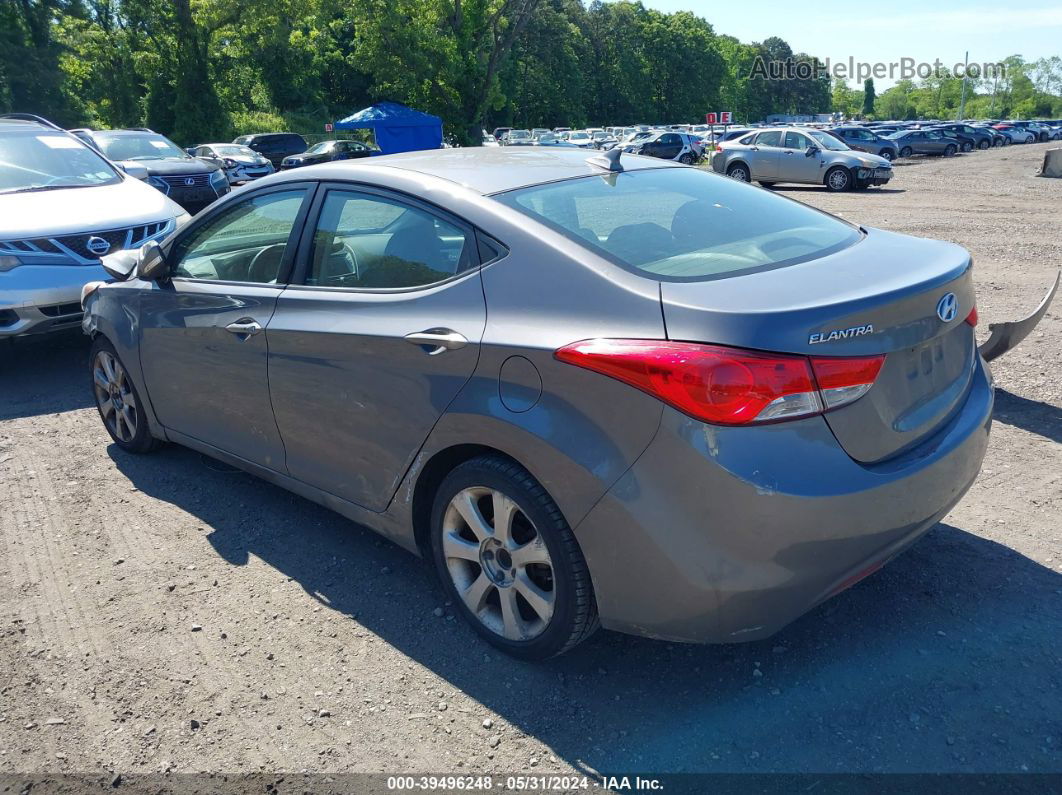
962	101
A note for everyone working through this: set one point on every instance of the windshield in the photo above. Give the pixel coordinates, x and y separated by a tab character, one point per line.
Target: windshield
324	146
898	134
139	146
579	136
678	224
233	150
47	161
827	141
519	134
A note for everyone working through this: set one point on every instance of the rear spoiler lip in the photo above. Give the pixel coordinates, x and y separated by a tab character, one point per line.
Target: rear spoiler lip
1006	336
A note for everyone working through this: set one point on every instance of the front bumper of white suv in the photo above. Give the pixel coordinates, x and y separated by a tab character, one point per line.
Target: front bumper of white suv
41	278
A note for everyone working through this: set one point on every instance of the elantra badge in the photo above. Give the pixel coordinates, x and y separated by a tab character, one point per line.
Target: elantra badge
948	307
840	334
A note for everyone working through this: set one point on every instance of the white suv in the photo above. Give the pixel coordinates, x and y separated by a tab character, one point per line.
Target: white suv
62	207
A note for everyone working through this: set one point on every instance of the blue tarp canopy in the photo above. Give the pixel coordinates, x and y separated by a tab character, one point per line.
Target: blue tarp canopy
398	128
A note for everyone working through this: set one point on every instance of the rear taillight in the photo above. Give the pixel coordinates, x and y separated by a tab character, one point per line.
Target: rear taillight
972	317
728	386
843	380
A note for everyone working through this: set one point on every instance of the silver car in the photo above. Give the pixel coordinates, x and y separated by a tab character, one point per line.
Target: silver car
62	207
240	163
785	154
608	389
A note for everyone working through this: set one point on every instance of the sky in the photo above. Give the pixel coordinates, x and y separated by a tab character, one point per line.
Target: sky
874	31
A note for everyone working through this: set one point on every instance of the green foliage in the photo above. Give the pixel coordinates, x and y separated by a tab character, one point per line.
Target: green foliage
211	69
868	97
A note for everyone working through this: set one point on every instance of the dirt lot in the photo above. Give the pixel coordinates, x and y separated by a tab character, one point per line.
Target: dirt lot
163	613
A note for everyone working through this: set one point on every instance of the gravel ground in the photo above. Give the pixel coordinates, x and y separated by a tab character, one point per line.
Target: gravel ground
163	613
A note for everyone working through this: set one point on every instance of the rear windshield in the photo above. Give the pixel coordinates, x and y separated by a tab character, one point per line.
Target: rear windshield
683	224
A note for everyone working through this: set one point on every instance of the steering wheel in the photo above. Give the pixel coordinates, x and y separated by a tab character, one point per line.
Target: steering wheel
265	263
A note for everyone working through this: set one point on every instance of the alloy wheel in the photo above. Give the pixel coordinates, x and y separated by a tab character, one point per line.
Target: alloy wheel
499	563
838	179
114	396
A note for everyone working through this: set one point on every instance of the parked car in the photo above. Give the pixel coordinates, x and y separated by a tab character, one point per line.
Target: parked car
998	137
924	142
62	206
667	145
240	163
274	146
800	155
580	138
499	133
551	139
1018	135
517	138
558	454
982	137
1041	132
863	140
603	140
966	143
488	140
327	151
189	181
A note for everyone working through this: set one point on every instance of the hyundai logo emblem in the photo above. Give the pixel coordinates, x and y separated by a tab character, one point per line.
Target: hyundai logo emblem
97	245
948	307
189	181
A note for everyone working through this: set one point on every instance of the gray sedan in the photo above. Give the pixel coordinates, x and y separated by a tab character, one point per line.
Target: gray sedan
611	390
924	142
799	155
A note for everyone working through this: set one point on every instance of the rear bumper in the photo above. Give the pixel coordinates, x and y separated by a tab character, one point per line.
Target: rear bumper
728	534
40	298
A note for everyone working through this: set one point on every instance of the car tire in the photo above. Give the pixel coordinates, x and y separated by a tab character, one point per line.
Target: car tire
117	400
949	150
983	144
686	159
906	152
967	146
887	154
838	179
740	172
531	610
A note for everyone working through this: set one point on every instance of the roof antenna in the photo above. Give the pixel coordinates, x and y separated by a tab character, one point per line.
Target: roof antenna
609	159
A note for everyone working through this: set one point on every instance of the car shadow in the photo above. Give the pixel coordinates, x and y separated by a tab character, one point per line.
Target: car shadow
1034	416
44	374
823	189
946	660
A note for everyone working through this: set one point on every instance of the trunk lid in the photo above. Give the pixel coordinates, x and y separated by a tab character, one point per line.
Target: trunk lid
880	295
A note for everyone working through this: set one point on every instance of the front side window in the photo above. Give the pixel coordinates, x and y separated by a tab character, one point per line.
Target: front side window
371	242
244	243
38	160
682	224
795	141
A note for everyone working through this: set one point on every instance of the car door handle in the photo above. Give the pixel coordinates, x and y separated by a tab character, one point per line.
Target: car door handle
244	327
438	340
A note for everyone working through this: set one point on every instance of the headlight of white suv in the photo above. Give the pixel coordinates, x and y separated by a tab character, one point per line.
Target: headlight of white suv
9	262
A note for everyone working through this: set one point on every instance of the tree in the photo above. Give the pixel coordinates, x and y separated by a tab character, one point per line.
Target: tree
868	97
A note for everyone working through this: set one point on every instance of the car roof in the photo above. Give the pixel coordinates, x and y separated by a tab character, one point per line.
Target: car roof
490	170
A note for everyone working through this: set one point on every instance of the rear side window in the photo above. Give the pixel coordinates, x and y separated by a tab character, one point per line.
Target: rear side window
370	242
683	224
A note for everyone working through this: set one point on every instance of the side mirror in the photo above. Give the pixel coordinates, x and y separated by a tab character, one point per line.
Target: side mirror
811	151
135	170
151	265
